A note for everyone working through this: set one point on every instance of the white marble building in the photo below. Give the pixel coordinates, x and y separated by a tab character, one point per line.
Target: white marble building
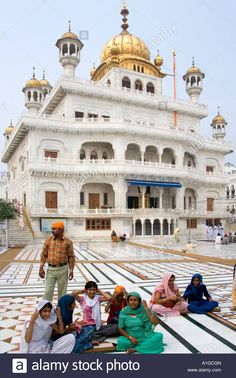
114	152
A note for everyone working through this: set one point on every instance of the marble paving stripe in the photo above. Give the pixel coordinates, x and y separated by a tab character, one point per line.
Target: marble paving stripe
28	275
103	274
122	274
221	320
178	337
227	333
93	277
206	328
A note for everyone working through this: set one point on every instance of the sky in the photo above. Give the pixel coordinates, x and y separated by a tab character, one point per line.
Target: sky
205	29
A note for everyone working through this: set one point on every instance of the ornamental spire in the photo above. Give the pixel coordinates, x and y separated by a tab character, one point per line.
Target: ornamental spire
124	12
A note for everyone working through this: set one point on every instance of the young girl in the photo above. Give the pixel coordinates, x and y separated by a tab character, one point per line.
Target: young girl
90	303
194	294
37	331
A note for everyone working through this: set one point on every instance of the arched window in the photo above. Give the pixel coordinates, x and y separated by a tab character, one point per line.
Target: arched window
138	69
134	67
126	82
150	88
93	155
29	95
198	80
138	85
72	49
35	96
193	80
108	82
104	155
142	70
82	155
64	49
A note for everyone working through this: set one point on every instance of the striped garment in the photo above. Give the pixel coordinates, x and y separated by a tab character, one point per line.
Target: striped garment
58	251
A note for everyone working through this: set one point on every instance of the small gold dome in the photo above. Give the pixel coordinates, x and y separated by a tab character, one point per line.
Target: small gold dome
69	34
125	44
158	61
92	70
33	83
193	70
218	119
9	129
44	82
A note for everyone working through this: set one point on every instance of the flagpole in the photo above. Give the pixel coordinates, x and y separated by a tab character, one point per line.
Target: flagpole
174	72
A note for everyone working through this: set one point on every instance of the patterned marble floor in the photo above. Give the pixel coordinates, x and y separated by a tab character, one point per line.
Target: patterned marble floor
136	268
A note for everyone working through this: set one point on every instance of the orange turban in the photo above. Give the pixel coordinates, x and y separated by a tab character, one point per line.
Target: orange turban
58	225
119	289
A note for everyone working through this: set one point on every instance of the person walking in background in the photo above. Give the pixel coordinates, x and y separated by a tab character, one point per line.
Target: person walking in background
176	234
58	253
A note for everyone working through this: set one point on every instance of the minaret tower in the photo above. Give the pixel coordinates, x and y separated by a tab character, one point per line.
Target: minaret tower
219	126
8	131
33	94
193	79
69	46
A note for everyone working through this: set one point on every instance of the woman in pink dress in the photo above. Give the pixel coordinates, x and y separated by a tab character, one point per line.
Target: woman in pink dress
166	299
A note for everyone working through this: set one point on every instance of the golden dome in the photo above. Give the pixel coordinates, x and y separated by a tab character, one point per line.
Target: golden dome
33	82
194	69
69	34
158	61
44	82
9	129
218	119
125	44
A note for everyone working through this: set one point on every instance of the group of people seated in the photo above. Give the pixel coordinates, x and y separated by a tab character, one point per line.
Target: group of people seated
226	239
130	318
116	238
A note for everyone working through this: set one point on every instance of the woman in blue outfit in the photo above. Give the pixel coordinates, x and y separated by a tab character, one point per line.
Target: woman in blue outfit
194	295
83	334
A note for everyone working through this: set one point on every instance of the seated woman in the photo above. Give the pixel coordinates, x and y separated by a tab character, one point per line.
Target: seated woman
114	236
218	239
117	302
36	334
83	334
194	294
136	323
90	303
166	299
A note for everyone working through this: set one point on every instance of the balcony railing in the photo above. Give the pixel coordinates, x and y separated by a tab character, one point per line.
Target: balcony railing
42	211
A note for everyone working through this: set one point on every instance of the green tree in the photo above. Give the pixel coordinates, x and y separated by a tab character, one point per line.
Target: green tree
8	211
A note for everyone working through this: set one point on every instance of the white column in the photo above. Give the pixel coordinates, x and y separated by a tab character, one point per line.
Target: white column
160	197
169	226
142	227
161	226
152	221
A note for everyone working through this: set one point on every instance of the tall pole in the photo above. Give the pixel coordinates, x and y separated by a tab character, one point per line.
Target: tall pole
174	74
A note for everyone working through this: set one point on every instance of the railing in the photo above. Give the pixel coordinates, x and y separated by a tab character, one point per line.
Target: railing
27	219
109	211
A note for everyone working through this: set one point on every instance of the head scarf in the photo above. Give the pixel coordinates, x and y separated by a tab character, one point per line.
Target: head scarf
119	289
58	225
195	290
42	329
138	312
64	303
163	286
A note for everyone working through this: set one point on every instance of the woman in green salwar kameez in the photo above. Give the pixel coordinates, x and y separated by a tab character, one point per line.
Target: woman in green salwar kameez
136	324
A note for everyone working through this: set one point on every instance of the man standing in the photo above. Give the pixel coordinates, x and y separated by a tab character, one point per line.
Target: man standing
58	252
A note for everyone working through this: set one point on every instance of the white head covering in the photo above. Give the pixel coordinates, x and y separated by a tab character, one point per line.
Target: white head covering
96	309
42	330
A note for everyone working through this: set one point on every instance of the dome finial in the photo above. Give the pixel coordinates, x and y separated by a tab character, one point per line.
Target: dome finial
43	74
218	108
34	72
124	12
11	122
193	63
69	26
